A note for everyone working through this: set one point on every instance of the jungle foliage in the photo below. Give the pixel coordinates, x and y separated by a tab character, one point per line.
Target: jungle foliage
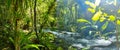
22	25
99	15
22	22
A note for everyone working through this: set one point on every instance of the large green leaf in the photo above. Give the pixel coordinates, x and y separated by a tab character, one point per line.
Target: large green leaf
104	26
83	20
97	16
33	46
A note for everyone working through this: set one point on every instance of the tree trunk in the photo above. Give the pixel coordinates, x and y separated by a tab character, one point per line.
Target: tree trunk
16	36
35	28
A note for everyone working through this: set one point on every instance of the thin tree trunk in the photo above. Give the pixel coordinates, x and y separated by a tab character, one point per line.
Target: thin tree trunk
31	14
32	18
35	28
16	36
17	39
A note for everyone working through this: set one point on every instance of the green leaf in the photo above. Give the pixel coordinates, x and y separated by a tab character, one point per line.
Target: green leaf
118	22
33	46
106	34
86	48
118	11
59	48
9	3
91	10
112	18
11	40
97	16
83	20
90	4
71	48
104	26
102	19
84	27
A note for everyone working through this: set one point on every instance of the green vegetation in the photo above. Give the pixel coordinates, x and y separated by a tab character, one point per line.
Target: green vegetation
100	16
22	23
68	13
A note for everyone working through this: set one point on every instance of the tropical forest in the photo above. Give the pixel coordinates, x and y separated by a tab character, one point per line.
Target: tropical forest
59	24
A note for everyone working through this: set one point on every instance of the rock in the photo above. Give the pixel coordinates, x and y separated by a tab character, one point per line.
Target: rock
101	42
79	46
70	33
95	42
76	41
113	39
83	41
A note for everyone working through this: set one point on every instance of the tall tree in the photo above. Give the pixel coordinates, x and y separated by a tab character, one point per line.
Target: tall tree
35	27
16	37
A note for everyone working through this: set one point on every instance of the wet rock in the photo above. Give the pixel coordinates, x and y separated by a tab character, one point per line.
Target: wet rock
76	40
100	42
78	46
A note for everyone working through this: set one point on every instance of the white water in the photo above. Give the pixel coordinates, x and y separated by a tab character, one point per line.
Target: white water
97	44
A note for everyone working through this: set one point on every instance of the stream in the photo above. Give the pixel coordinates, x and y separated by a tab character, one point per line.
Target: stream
78	42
